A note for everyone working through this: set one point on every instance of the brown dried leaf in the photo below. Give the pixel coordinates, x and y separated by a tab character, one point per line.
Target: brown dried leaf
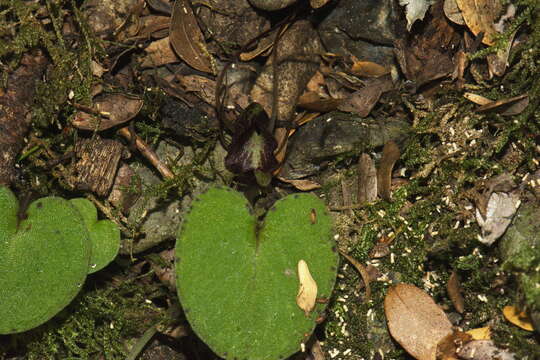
453	287
480	16
511	106
110	111
415	321
518	318
302	184
368	69
312	101
307	291
367	179
318	3
390	155
187	38
452	12
203	86
159	53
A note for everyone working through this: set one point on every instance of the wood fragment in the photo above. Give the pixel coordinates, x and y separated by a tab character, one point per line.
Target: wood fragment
148	153
367	179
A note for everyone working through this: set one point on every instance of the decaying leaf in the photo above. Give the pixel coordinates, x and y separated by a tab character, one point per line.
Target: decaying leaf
415	321
390	155
452	12
368	69
453	288
480	16
415	10
362	101
317	3
483	333
159	53
108	111
500	210
483	350
510	106
307	290
187	39
302	184
367	179
518	318
447	347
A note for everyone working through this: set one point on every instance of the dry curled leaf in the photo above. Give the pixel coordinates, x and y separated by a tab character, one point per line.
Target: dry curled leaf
483	333
159	53
302	184
368	69
108	111
390	155
415	321
480	16
453	287
307	291
510	106
187	38
518	318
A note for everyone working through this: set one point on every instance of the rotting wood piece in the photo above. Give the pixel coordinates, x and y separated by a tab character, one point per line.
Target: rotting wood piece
96	164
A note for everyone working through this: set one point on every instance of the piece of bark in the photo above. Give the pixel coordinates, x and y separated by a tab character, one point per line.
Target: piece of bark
15	112
367	179
96	165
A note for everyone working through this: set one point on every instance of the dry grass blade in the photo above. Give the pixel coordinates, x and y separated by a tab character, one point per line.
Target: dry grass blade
187	39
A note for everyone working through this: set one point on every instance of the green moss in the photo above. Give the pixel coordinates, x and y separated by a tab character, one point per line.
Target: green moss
97	323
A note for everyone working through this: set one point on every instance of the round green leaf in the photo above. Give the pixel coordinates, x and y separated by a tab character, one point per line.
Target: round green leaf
43	260
104	235
238	282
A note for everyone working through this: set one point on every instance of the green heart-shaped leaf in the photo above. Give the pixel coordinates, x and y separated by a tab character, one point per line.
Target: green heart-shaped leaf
104	235
43	260
238	283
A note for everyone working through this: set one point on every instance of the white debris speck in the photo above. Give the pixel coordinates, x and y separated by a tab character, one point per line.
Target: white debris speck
333	353
482	298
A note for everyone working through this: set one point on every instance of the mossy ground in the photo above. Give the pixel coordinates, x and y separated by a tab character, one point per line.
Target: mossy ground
436	235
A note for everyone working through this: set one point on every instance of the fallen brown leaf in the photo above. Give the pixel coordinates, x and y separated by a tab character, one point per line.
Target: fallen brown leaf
159	53
518	318
187	38
368	69
508	107
480	16
108	111
390	155
415	321
453	287
301	184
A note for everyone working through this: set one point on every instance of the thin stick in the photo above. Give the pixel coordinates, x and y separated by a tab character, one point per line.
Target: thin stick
363	273
147	152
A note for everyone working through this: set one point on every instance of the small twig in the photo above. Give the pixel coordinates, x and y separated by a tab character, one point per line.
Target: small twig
363	273
148	153
108	213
